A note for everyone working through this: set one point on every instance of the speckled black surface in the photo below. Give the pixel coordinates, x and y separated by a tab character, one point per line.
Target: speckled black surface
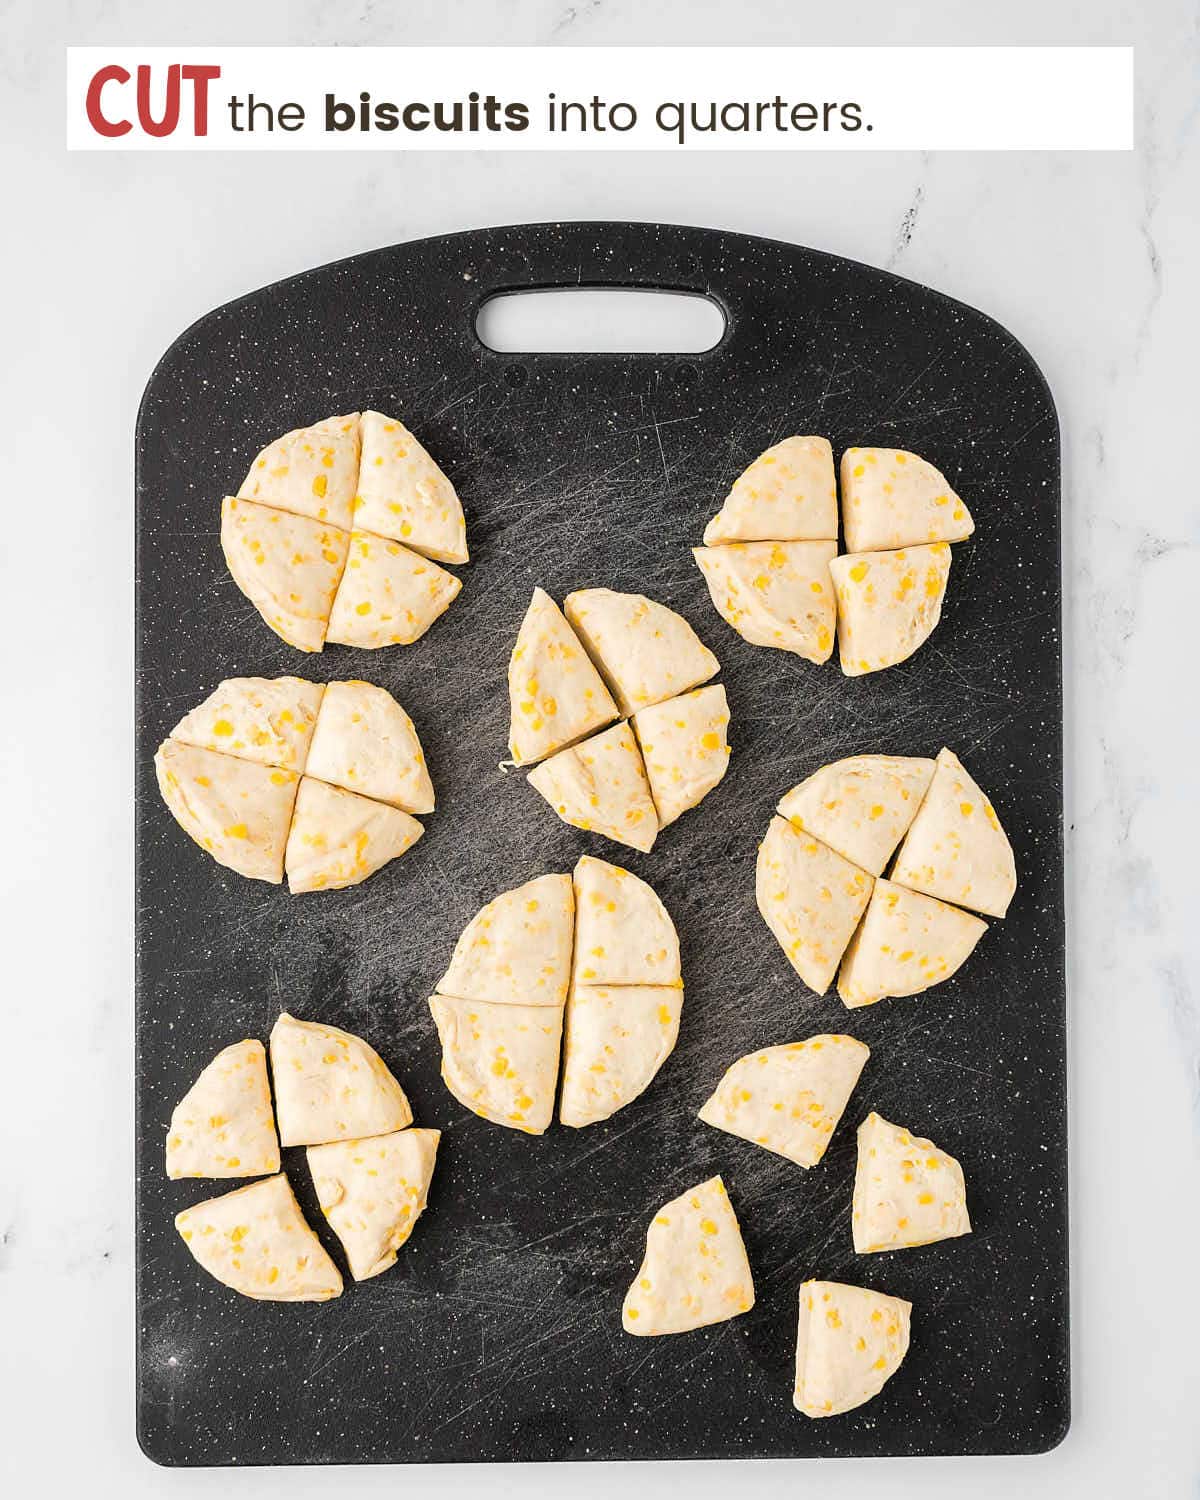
498	1335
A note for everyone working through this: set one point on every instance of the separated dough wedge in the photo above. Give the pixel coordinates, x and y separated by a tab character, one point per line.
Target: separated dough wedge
223	1126
811	899
616	1039
555	693
403	494
645	651
907	1191
906	943
287	566
695	1270
775	593
331	1086
685	749
256	1241
600	786
269	720
888	604
365	742
861	806
891	498
956	849
339	838
516	950
311	472
388	596
849	1344
789	1098
501	1061
788	494
372	1192
237	810
623	932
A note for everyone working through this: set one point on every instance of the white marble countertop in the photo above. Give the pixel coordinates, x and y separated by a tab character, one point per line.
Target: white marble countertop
1091	260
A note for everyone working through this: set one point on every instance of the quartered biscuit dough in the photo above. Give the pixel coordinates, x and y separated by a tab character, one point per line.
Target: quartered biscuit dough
861	806
555	693
789	1098
776	594
695	1270
372	1192
645	651
907	1191
888	604
788	494
906	943
685	749
849	1344
811	899
288	566
256	1241
339	838
310	472
501	1061
891	498
516	950
956	849
269	720
600	786
403	494
616	1039
623	932
331	1086
366	743
388	596
237	810
224	1126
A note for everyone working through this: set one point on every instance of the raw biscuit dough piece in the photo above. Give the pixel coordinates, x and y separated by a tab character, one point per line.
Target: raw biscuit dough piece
372	1192
789	1098
895	499
907	1191
695	1270
888	604
811	899
616	1039
288	567
501	1061
256	1241
388	596
403	494
223	1126
776	594
312	471
269	720
861	806
623	932
956	849
516	950
600	786
555	693
365	742
645	651
849	1344
238	811
685	749
339	838
905	944
331	1086
788	494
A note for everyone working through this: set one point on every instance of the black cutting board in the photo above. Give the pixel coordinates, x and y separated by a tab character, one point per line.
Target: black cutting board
497	1335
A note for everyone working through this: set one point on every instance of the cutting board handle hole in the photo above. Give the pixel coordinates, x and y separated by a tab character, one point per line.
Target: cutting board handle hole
600	320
